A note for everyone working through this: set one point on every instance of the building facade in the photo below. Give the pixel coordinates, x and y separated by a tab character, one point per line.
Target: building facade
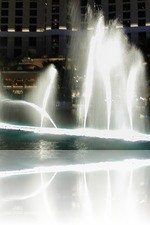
39	28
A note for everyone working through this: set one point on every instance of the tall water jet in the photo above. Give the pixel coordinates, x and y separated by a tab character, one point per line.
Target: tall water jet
89	80
38	106
53	73
114	79
41	111
45	95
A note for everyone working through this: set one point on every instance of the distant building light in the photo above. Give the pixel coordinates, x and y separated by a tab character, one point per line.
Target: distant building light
25	30
90	28
18	92
147	24
119	26
62	28
134	25
48	28
142	98
40	30
74	29
11	30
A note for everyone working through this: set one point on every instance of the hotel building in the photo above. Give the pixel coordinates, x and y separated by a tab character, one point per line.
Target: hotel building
39	28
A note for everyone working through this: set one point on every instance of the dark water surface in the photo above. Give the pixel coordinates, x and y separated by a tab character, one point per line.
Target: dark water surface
21	140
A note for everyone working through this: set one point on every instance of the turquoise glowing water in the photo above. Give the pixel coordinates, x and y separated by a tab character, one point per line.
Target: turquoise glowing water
15	139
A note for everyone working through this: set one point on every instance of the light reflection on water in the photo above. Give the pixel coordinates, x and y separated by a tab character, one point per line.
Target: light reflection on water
46	154
21	140
18	159
61	197
42	144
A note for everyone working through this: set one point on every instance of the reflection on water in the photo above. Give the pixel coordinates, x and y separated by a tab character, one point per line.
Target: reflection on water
80	145
18	159
42	144
46	154
76	196
21	140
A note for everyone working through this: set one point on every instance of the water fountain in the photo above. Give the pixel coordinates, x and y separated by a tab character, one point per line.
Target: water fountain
115	76
96	193
38	99
115	72
109	192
